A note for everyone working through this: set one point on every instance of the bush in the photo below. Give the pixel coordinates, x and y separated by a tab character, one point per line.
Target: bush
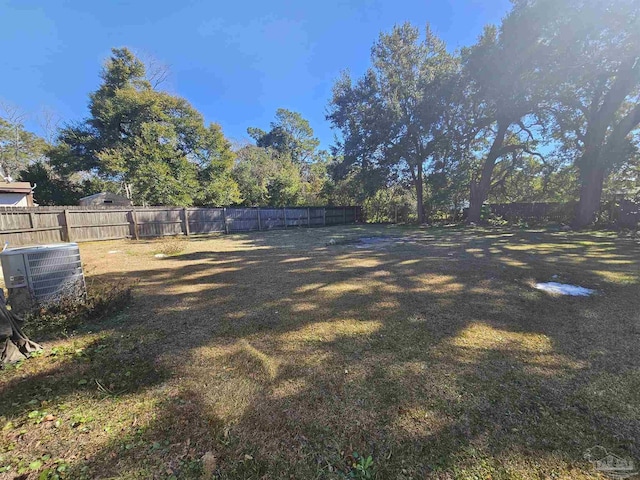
496	220
61	318
172	245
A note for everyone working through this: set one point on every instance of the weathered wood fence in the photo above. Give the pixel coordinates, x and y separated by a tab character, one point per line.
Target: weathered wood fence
622	213
40	225
629	214
541	211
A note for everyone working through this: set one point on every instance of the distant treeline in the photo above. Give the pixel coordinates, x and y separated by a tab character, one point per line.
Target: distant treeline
542	108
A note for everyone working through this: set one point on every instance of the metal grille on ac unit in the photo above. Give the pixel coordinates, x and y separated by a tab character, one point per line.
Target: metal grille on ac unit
43	274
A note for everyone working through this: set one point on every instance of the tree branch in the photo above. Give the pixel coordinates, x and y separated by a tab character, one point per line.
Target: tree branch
627	124
525	129
628	76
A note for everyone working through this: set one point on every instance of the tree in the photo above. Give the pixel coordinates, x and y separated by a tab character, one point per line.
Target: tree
521	177
314	178
290	134
503	96
392	119
152	142
216	161
18	147
593	71
51	189
266	177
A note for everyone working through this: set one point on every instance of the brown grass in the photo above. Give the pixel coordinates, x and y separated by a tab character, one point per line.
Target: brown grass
282	355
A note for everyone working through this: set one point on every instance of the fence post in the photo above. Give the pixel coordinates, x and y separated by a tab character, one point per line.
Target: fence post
67	225
344	215
185	215
134	219
284	211
259	224
224	217
324	216
308	216
32	220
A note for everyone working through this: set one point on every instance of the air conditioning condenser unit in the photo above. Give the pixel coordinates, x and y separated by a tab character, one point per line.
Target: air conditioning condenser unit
42	275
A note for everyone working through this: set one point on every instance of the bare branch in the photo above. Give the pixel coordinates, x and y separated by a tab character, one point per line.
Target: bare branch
12	114
523	128
158	72
49	122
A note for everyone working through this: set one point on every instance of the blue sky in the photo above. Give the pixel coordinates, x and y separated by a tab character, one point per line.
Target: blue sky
235	61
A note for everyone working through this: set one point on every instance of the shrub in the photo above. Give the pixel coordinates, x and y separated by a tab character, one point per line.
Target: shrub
172	245
496	220
61	318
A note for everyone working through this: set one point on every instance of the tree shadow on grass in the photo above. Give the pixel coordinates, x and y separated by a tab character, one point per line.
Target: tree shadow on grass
435	356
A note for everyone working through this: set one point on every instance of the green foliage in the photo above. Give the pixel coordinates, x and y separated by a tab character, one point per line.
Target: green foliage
389	205
393	118
362	467
216	161
153	143
267	178
290	135
18	148
593	82
51	189
465	127
525	178
501	99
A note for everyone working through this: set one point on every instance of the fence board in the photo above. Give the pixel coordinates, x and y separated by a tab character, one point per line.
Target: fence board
296	217
206	220
271	218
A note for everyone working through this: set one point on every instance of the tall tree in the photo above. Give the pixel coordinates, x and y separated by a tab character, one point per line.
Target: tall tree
18	147
503	96
152	142
290	134
216	160
594	72
267	177
392	118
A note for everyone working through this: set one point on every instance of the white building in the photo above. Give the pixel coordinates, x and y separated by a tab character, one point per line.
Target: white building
16	194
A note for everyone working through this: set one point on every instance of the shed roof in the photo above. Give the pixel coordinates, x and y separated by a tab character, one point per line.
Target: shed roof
15	187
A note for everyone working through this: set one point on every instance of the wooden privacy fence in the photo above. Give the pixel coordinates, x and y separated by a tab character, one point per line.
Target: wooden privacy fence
40	225
541	211
628	214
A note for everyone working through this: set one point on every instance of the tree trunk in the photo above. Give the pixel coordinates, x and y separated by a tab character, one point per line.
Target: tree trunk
592	180
14	345
479	191
419	195
476	200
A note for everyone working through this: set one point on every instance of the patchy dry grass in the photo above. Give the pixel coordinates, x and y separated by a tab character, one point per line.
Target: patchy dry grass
285	355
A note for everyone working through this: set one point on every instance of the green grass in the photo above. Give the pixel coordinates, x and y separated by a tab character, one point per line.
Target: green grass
285	355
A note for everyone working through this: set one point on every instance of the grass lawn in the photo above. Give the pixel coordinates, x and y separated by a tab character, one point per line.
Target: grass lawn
287	355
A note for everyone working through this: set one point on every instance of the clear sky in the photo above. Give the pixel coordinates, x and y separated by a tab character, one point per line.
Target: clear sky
235	61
